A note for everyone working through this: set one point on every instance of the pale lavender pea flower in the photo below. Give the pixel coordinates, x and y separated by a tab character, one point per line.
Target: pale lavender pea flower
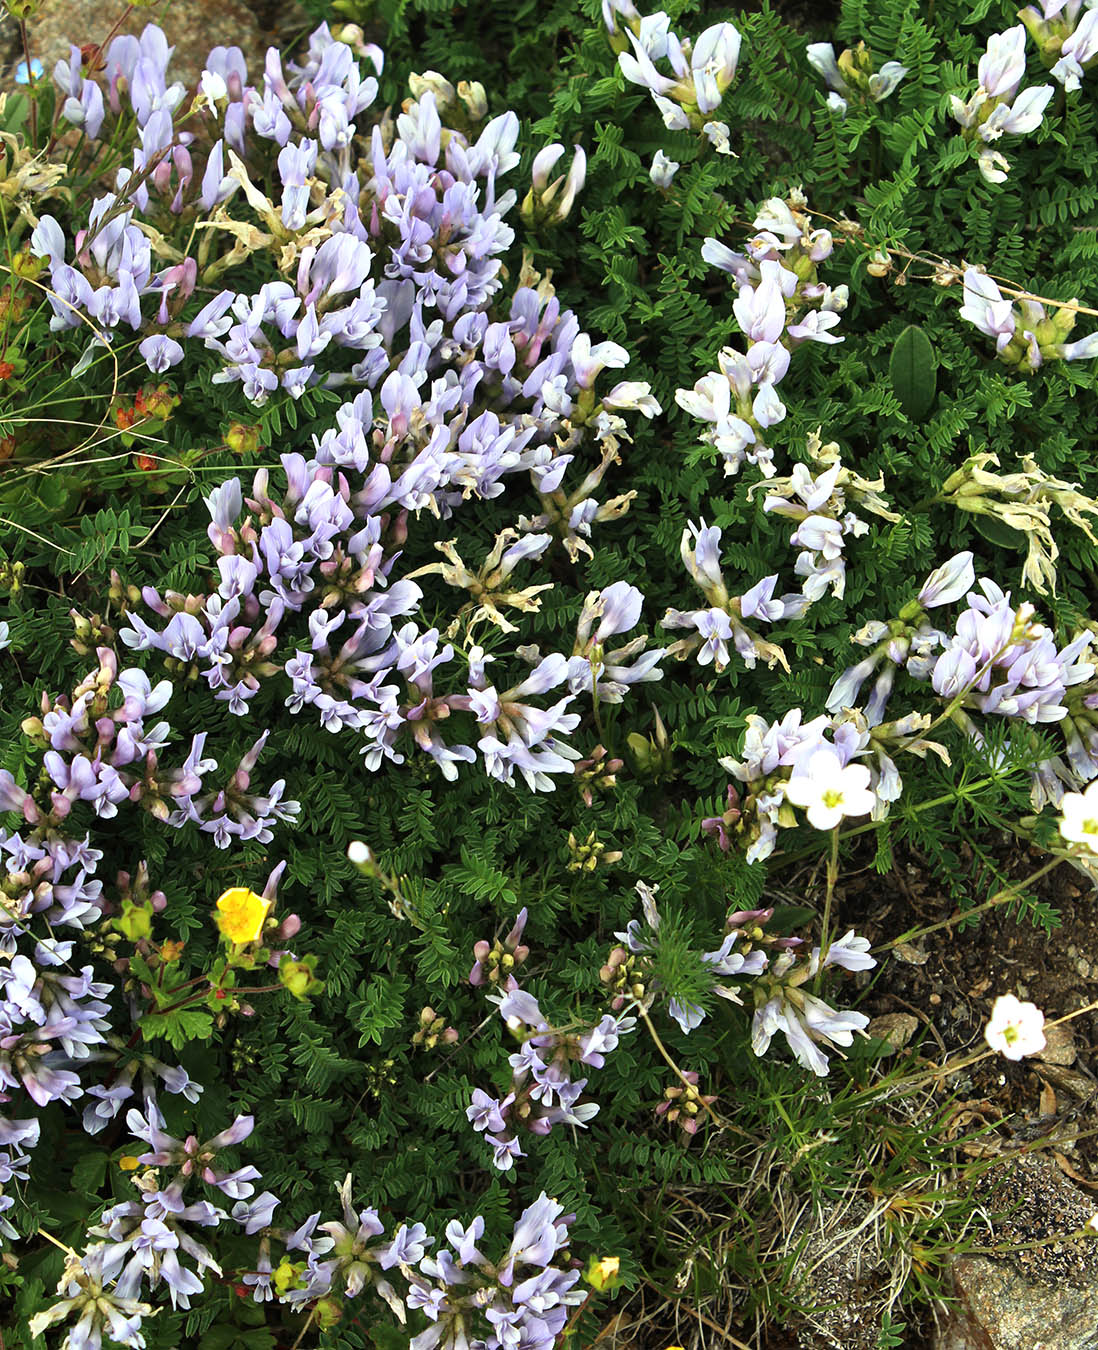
688	1015
954	671
210	321
217	186
703	561
821	57
713	64
985	307
161	353
814	327
886	80
588	360
408	1247
663	170
638	68
1080	48
543	164
1083	350
635	395
486	1113
256	1214
464	1240
1003	65
760	310
620	606
948	582
1019	118
505	1151
86	110
849	952
758	602
610	11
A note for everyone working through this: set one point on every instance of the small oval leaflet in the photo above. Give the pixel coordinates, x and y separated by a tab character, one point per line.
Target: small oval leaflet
913	371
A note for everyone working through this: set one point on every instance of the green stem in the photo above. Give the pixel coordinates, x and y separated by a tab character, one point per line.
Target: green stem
832	878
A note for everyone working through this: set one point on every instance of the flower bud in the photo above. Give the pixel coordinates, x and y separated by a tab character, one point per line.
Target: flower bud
431	82
360	855
880	263
241	439
475	99
543	205
327	1311
298	977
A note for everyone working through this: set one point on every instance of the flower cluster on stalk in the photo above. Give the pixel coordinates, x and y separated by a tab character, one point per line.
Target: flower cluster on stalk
701	70
543	1092
1000	106
780	304
776	970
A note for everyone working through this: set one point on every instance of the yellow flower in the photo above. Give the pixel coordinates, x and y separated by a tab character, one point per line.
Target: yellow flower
603	1273
241	914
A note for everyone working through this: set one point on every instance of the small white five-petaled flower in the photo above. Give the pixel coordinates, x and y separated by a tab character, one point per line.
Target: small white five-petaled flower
829	790
1016	1029
1079	817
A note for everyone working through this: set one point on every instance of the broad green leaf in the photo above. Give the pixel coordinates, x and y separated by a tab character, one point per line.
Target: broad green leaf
913	371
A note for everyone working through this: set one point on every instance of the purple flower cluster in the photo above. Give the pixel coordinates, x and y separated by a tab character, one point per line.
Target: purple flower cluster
317	550
723	621
810	1026
396	233
997	107
542	1092
151	1241
1067	43
998	662
700	71
1026	335
818	503
14	1162
777	286
773	752
777	969
394	272
100	751
520	1299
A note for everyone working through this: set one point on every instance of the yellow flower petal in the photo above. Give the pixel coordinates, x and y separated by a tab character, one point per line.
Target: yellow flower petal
241	914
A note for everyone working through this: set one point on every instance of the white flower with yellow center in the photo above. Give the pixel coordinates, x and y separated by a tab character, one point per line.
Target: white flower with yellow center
1079	817
1016	1029
829	790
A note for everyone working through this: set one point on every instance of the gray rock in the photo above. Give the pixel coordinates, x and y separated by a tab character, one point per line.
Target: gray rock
192	27
1043	1298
